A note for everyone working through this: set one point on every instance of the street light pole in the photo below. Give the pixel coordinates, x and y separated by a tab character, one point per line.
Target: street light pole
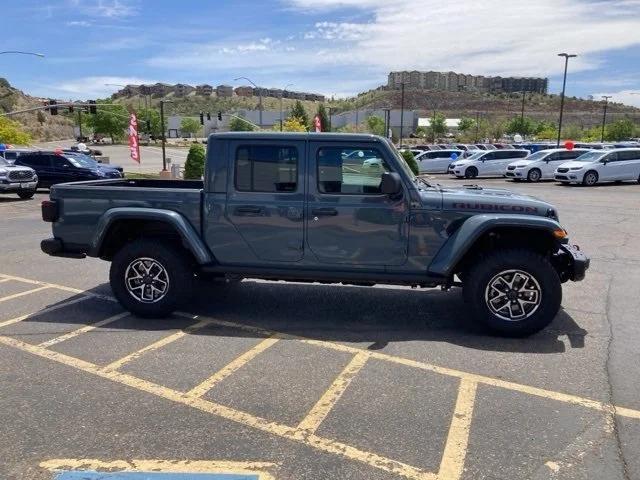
330	113
477	126
164	137
566	56
604	116
259	94
18	52
524	93
401	112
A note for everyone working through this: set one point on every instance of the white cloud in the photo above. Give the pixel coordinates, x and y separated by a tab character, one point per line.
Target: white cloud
78	23
105	8
628	97
92	87
491	37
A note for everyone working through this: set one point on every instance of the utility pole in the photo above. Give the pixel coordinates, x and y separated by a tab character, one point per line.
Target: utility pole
566	56
401	112
80	122
387	121
604	116
330	113
477	126
524	93
281	97
433	126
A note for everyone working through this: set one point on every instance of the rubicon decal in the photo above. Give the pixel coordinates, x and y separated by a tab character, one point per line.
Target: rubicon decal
492	207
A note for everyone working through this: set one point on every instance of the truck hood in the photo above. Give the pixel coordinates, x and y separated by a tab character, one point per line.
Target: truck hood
474	199
15	168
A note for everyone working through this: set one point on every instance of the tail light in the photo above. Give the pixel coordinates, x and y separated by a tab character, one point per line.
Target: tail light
49	210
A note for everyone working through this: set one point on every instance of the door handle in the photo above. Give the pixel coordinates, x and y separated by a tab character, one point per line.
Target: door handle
324	212
248	210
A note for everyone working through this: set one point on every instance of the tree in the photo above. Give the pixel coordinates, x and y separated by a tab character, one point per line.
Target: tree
421	132
111	119
239	125
189	126
620	130
300	113
523	126
11	132
149	122
293	124
375	125
546	131
324	118
438	126
194	166
411	161
466	124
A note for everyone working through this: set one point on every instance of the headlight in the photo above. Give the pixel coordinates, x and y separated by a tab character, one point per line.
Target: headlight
520	166
576	168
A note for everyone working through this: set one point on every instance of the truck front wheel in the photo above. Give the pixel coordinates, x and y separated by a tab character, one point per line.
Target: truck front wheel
151	278
514	292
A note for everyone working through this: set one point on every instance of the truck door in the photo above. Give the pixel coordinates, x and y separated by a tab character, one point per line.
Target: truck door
349	221
265	197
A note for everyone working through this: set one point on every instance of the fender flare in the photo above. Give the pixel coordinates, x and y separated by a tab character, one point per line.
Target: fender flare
459	243
189	235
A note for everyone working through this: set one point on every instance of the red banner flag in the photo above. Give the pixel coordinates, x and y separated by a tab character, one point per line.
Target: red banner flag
134	144
317	123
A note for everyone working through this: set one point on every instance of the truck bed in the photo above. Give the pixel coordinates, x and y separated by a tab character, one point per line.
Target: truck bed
83	203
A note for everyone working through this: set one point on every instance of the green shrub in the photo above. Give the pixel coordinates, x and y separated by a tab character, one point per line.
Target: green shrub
411	161
194	167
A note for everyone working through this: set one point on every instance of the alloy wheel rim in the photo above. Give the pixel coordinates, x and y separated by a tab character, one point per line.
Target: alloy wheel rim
591	179
534	175
146	280
513	295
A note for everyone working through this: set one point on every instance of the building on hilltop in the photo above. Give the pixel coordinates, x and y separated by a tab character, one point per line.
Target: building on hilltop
224	91
244	91
204	90
456	82
182	90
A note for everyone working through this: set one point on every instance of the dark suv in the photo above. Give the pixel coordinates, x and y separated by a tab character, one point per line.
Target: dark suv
54	167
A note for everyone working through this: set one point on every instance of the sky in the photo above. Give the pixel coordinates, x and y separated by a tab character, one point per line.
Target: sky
334	47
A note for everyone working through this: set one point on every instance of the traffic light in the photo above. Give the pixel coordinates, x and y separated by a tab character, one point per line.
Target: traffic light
92	107
201	118
53	110
220	116
208	115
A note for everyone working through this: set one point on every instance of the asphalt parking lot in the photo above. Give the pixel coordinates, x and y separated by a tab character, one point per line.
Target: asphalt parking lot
295	381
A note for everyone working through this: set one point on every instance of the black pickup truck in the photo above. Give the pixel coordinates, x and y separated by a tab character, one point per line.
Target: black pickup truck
314	207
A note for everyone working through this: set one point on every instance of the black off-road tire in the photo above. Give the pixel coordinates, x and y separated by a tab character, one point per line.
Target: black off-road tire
471	172
27	195
537	175
179	268
587	182
476	288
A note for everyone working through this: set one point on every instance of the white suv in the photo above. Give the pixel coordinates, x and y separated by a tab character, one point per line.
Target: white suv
437	161
601	166
542	165
486	163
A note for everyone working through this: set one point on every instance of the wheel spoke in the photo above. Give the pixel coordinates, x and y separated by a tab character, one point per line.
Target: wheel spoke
146	280
513	295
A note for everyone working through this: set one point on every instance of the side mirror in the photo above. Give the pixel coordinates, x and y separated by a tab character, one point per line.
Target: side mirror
391	183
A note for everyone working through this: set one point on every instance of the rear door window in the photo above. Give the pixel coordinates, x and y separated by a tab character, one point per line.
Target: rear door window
266	168
629	155
34	160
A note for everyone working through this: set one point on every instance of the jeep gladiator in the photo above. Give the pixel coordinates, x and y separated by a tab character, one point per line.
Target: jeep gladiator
307	207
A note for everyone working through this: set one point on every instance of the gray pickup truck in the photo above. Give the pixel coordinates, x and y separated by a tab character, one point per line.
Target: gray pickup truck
314	208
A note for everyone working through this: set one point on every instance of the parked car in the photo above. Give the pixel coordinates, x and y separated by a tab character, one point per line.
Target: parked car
425	147
542	164
17	179
293	212
91	162
11	154
503	146
485	146
415	151
55	167
600	166
486	163
437	161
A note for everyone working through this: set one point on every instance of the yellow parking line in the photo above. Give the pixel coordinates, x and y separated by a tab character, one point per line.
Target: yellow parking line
328	400
11	321
164	466
22	294
243	418
85	329
156	345
5	280
455	449
496	382
231	367
64	288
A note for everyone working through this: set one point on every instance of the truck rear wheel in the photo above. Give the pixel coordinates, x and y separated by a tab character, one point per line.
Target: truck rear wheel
151	278
514	292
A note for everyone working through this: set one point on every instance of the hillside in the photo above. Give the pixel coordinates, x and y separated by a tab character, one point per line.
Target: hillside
40	125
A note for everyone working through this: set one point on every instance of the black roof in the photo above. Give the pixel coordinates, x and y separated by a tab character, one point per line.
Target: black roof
353	137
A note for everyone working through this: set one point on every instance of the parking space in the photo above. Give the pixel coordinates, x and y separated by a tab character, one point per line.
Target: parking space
293	381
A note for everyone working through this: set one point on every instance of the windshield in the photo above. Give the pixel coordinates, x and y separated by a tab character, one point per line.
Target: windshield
538	155
82	161
476	155
591	156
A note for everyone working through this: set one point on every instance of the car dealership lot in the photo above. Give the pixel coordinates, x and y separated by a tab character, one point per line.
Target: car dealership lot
313	381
